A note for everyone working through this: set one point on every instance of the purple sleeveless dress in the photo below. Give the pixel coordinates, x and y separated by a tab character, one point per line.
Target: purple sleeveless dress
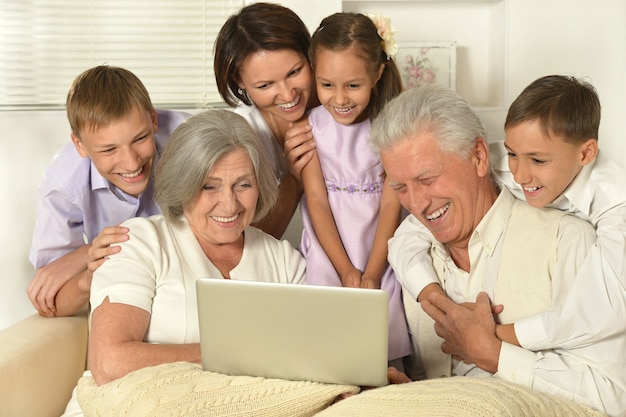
353	175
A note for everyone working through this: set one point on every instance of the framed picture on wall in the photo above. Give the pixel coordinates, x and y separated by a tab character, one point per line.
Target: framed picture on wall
422	63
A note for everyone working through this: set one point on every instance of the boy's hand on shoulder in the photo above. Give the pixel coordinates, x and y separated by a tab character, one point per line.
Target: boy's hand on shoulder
101	247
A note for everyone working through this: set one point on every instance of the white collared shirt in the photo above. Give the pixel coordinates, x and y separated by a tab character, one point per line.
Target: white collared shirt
592	374
595	307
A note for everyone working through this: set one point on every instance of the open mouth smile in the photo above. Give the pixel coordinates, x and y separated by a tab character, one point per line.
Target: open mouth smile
343	110
132	174
531	189
220	219
289	106
438	213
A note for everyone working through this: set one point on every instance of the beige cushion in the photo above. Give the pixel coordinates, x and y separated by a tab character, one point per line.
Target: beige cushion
457	396
185	389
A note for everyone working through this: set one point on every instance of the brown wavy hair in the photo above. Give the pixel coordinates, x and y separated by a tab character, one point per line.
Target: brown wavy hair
257	27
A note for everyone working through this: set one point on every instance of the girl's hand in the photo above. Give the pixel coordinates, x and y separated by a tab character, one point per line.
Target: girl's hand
298	147
101	247
369	281
352	278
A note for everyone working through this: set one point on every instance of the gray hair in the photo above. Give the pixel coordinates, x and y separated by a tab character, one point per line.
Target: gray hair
192	151
429	108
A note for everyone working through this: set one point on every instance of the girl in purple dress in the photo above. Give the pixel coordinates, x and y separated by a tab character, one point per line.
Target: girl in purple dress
348	211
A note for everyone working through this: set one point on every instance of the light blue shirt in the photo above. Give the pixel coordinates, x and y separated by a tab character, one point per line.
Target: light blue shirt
75	202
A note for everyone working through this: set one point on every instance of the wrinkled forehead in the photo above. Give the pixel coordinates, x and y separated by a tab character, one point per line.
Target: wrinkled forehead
416	149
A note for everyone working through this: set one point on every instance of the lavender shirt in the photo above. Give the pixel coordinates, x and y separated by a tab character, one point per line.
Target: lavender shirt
75	202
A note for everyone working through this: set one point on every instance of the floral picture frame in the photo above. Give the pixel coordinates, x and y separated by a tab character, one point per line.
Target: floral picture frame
422	63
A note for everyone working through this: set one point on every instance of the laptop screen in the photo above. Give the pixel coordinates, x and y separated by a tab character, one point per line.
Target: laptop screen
297	332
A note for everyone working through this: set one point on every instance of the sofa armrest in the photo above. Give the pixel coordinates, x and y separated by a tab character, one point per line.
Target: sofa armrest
41	359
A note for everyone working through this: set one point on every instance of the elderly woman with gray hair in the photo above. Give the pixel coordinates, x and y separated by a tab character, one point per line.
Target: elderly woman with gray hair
211	182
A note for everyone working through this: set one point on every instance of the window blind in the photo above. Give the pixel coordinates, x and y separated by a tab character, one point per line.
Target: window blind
168	44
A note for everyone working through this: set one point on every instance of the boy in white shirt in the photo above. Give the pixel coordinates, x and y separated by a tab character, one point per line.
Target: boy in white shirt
550	157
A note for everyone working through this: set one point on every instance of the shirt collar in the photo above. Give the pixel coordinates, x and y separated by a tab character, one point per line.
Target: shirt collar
489	231
97	180
576	197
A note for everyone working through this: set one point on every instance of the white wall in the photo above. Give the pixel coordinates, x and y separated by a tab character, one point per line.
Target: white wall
502	46
29	140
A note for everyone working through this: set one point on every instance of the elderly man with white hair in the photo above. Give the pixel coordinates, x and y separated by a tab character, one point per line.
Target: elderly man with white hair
489	249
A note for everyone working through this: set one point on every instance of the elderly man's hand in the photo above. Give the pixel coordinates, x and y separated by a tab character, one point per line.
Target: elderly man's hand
469	334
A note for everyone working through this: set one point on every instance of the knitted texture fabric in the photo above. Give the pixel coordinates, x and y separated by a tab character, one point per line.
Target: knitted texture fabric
456	396
184	389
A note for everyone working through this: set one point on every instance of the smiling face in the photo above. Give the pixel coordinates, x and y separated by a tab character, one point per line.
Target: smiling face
122	151
226	204
446	193
344	85
544	166
278	82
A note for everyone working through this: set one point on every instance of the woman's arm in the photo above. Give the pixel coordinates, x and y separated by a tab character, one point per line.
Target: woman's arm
388	221
324	223
116	345
289	194
298	150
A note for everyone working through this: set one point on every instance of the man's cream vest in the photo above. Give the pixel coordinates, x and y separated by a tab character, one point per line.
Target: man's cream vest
523	286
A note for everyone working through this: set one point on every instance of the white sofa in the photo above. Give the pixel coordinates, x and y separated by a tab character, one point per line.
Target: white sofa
41	360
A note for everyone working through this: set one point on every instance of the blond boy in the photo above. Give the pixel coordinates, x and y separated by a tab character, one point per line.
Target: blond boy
103	177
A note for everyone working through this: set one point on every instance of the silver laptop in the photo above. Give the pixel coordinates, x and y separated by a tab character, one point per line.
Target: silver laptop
297	332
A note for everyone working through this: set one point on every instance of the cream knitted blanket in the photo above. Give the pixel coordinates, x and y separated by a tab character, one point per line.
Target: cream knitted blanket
454	397
184	389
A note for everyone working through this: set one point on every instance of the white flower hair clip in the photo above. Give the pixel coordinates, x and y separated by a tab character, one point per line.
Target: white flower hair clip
386	32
